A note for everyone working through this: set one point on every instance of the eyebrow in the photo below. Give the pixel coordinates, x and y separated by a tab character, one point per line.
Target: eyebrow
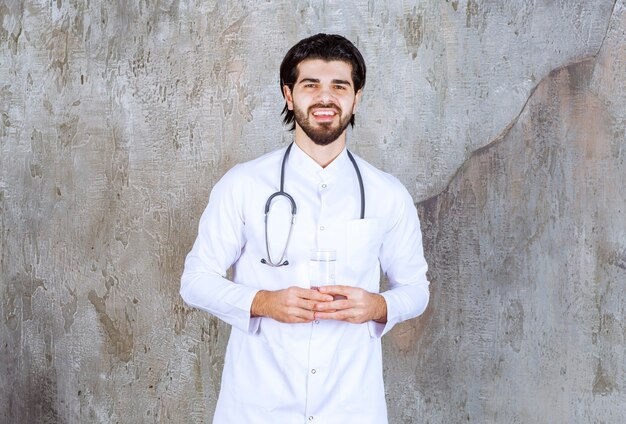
317	81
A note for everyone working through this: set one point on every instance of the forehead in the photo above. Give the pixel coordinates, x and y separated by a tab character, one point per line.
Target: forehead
322	70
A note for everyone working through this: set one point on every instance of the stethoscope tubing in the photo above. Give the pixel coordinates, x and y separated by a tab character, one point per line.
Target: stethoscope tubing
361	187
282	192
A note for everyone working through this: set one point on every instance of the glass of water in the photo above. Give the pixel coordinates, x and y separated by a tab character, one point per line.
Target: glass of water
322	267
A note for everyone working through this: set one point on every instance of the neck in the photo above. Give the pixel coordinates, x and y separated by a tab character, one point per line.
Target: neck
323	155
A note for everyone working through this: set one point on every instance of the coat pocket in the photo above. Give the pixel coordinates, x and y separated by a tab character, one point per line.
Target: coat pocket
256	378
362	244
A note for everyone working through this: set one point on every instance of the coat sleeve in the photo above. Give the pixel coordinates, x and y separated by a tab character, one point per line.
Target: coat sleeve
219	243
402	260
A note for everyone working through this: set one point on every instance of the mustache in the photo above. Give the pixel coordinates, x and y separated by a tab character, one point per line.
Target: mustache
325	106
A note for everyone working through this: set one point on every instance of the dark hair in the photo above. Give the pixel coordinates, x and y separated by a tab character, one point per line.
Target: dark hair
327	47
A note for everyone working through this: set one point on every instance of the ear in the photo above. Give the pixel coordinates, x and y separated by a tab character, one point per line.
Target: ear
288	97
357	99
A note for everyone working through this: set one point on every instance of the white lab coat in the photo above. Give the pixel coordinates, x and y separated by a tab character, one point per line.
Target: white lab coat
322	372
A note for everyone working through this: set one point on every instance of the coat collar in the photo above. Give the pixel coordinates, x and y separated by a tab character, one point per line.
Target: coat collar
306	165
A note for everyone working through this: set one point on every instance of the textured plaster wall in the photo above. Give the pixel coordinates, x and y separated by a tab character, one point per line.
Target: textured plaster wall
505	119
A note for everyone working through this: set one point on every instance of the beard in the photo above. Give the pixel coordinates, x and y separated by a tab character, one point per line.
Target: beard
321	134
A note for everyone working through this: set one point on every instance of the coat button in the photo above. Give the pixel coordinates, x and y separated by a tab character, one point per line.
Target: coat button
313	371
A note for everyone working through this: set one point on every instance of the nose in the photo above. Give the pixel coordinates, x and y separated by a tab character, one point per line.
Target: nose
324	95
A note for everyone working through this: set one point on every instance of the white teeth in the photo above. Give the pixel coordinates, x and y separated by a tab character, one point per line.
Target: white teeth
324	113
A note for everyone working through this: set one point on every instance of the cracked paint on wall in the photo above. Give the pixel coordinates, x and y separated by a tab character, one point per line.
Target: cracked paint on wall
505	120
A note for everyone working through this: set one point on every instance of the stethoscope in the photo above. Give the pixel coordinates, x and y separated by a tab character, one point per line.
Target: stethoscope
283	193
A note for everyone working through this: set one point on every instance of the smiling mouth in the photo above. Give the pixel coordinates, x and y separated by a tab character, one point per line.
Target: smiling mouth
324	113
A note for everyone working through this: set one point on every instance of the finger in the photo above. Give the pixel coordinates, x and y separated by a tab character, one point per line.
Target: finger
348	315
295	293
317	296
335	305
298	291
309	305
301	315
338	289
327	315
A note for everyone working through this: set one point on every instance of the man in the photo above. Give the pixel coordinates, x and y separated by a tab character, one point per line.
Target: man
298	354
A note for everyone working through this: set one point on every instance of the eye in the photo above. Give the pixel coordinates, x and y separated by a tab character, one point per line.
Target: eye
340	87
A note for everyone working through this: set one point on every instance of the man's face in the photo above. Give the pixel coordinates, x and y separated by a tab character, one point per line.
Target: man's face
323	99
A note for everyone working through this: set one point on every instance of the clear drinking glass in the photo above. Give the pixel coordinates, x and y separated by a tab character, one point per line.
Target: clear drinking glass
322	267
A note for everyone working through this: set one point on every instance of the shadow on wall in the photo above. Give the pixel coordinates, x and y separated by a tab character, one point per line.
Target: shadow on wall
524	248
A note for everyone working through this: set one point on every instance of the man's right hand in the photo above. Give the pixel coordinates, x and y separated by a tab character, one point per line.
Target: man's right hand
291	305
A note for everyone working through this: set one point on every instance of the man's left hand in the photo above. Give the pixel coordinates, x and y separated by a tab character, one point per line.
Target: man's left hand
357	307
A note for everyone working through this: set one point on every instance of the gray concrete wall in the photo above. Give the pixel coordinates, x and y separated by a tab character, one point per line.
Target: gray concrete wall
505	119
